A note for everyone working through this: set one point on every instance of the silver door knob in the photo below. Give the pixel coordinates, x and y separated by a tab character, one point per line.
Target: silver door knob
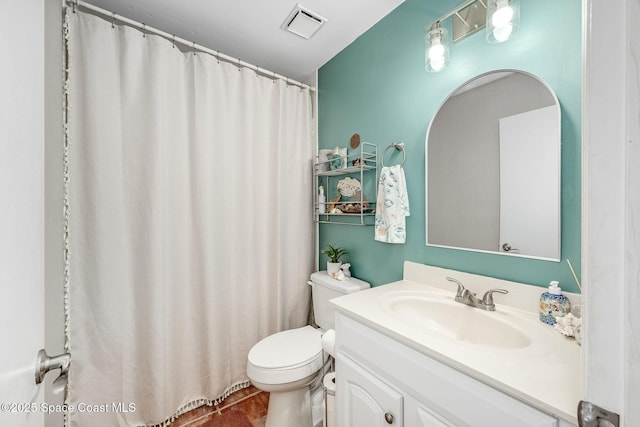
388	418
507	248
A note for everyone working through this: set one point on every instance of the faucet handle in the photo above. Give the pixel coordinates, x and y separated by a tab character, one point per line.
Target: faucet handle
487	299
461	288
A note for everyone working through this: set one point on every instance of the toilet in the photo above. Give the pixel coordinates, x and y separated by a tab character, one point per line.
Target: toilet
286	363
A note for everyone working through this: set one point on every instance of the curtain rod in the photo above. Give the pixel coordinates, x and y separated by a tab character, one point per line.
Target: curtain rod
193	45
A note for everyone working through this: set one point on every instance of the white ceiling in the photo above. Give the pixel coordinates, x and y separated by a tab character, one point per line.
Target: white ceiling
250	29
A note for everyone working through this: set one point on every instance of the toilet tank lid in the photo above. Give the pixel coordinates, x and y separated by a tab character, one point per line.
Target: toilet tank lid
343	286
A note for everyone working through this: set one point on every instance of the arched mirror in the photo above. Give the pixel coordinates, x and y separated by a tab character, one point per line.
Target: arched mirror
493	167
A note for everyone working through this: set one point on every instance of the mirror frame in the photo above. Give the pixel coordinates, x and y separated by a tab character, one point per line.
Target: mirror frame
559	172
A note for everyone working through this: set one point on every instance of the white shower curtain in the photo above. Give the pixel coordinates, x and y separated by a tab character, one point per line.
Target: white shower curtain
190	233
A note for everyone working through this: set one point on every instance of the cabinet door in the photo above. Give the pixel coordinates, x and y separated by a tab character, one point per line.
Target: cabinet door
363	400
425	418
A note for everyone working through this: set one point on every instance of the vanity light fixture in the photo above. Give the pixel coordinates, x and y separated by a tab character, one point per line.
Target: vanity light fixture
436	53
501	18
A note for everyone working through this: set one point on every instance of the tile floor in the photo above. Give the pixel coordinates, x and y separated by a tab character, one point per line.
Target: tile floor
244	408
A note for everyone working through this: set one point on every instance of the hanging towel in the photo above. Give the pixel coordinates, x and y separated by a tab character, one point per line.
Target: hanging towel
392	205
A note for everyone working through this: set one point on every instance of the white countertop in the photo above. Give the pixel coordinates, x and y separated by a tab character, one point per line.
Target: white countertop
545	373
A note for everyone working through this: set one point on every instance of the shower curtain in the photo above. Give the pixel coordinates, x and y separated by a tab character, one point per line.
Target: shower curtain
189	222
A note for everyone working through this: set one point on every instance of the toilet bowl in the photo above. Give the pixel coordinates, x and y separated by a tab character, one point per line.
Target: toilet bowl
286	363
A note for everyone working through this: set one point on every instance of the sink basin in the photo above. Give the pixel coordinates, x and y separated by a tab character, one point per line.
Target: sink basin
434	313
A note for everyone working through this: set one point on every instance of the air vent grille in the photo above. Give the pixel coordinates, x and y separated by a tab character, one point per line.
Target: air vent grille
302	22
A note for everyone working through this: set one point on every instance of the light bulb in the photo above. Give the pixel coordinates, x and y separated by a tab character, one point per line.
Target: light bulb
503	19
502	16
436	55
436	51
502	34
437	64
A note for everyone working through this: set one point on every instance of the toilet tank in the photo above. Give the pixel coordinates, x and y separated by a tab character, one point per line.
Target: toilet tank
324	288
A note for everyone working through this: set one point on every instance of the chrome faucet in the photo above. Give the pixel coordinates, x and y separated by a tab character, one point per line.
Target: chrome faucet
464	296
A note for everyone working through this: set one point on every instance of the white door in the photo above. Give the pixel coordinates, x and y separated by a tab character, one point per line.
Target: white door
530	183
21	210
611	202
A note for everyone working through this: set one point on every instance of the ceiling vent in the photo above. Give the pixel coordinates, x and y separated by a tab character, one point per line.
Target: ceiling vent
303	22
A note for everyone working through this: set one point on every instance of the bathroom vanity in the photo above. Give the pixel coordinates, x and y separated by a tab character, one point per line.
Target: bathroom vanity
408	355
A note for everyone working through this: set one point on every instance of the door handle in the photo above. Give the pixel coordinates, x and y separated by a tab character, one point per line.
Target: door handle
45	363
589	415
507	248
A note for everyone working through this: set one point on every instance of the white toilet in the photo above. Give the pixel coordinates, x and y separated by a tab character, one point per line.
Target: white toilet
286	363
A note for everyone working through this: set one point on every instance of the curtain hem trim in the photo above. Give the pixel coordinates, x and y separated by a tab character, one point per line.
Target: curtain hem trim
196	403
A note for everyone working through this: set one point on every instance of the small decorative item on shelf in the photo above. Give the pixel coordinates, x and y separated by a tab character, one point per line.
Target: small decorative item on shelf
351	188
338	159
322	200
332	205
357	162
354	142
323	160
354	206
334	254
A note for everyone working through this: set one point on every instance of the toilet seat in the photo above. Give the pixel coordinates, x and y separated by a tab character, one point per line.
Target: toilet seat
287	356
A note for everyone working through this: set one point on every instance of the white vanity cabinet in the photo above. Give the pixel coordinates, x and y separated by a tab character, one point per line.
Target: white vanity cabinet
383	382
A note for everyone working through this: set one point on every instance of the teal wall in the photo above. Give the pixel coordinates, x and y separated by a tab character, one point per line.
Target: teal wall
378	88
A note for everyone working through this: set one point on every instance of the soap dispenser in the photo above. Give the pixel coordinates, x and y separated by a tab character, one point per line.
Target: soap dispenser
553	304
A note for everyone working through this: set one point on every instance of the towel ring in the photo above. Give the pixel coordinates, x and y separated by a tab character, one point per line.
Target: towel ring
398	146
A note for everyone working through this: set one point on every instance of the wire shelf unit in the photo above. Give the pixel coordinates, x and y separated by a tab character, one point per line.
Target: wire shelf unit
365	170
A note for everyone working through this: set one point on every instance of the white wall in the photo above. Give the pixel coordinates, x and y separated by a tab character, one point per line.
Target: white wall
21	204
